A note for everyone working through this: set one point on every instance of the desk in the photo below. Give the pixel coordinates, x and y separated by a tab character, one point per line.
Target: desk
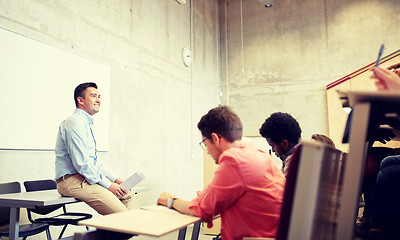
29	200
140	189
150	222
16	201
369	109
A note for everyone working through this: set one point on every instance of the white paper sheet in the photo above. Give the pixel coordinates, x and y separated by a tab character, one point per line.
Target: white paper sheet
132	181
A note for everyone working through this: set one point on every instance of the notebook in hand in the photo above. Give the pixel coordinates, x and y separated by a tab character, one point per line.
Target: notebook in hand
132	181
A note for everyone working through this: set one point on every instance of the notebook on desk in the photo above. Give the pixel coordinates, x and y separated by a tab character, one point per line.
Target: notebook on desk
132	181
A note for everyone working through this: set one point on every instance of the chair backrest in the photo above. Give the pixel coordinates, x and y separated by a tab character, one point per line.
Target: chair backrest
288	195
12	187
40	185
312	193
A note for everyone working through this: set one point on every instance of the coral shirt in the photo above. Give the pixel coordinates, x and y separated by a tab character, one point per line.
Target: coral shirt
247	190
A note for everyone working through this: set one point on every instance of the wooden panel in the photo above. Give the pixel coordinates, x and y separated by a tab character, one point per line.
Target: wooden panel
337	117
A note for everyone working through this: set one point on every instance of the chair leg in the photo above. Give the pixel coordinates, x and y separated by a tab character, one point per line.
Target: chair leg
24	238
48	234
62	231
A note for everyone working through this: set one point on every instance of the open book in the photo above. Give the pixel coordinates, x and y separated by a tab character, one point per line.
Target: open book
132	181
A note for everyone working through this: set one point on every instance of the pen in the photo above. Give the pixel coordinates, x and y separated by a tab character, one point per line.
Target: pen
379	56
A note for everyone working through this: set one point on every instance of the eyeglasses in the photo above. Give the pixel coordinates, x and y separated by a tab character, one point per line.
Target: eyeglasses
203	145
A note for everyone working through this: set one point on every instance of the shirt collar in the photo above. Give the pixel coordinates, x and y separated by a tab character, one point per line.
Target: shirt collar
85	114
288	153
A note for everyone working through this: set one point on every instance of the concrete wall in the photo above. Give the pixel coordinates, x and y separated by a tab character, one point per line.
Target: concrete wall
272	59
155	101
281	58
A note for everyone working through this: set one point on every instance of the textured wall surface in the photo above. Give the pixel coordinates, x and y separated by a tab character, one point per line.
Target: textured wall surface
281	58
271	59
155	101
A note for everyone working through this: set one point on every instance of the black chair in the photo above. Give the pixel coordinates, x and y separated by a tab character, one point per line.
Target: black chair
60	220
24	230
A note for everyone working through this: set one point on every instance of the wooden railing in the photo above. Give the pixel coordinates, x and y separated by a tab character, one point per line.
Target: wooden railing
361	70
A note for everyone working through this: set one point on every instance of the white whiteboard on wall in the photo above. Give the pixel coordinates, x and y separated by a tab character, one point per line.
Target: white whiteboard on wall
37	83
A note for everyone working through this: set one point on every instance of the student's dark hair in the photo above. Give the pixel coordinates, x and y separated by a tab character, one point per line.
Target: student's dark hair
222	121
395	66
281	126
80	90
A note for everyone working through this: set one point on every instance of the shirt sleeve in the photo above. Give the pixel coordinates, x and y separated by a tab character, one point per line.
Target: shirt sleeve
108	173
223	191
77	139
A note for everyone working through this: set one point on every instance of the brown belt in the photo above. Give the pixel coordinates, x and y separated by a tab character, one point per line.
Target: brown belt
65	177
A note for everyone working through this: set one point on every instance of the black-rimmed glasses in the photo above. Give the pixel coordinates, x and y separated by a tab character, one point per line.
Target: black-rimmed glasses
203	145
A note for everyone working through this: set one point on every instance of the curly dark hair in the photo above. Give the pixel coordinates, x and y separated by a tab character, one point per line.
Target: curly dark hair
281	126
223	121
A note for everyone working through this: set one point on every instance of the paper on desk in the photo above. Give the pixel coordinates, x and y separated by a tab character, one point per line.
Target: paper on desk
132	181
159	208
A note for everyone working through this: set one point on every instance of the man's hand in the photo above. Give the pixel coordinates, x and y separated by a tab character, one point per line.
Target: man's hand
118	181
180	205
386	79
117	190
163	198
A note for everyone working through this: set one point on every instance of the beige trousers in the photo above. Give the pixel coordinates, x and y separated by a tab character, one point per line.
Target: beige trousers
96	196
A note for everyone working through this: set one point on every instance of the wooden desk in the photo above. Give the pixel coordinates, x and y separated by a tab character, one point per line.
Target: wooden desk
140	189
369	108
29	200
151	222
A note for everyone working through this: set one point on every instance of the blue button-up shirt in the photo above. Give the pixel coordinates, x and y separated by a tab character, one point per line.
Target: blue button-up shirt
76	151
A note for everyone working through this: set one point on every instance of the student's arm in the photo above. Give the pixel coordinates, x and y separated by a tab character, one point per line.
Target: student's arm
180	205
386	79
225	189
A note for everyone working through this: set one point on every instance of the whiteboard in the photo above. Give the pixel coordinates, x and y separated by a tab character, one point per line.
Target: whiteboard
37	83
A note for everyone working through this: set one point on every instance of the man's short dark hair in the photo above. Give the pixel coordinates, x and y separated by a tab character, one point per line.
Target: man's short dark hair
281	126
80	89
223	121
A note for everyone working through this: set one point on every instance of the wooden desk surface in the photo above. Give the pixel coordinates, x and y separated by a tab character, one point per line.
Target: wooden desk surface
139	221
42	198
370	96
140	189
32	199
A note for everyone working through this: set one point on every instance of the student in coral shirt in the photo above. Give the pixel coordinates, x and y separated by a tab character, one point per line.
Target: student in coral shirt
247	187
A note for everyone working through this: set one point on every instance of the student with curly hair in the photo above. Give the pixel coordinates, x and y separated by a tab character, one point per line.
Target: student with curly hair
282	133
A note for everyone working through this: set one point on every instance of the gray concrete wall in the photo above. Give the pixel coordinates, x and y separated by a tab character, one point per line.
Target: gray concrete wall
281	58
155	101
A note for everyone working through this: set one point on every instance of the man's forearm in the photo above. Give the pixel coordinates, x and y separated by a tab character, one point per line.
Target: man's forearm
182	206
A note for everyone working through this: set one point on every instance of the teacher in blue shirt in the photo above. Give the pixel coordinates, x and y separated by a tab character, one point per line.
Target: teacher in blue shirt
79	172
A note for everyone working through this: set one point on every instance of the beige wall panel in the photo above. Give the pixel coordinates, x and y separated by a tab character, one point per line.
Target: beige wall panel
337	117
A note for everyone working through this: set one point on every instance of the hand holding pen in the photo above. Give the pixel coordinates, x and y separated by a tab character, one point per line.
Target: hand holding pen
385	79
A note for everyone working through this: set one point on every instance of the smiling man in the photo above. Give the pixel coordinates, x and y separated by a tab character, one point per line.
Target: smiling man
282	133
247	187
79	172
